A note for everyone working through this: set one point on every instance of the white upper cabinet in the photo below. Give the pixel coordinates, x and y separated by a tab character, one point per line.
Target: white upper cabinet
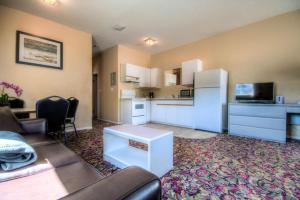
130	73
188	69
149	78
145	77
142	77
155	78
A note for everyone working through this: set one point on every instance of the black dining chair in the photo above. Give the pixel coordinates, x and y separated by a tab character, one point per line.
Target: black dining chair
71	116
55	110
18	103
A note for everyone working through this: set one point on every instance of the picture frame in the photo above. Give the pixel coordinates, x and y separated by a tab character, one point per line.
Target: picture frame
38	51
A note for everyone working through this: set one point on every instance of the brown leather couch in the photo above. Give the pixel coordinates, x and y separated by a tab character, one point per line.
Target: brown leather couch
60	174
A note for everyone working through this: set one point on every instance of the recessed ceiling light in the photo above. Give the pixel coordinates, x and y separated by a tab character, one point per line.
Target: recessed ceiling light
119	27
51	2
150	41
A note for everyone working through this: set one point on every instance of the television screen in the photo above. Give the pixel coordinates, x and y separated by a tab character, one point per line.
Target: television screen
255	92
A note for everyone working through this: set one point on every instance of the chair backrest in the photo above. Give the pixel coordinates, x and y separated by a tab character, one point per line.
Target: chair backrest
15	102
73	107
55	110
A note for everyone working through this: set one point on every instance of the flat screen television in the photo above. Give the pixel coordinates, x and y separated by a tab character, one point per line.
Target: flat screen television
254	92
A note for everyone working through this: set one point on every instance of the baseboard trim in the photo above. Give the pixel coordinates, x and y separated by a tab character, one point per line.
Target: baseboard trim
114	122
79	129
175	125
85	128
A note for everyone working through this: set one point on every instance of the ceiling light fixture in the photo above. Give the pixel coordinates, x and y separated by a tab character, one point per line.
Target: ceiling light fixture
51	2
119	27
150	41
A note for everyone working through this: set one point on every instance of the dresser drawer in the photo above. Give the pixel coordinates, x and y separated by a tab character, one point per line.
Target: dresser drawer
293	109
258	122
258	111
259	133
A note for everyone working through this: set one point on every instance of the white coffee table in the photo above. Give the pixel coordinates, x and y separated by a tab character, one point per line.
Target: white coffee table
159	157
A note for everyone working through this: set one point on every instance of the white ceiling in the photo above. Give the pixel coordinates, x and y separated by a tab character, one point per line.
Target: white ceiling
171	22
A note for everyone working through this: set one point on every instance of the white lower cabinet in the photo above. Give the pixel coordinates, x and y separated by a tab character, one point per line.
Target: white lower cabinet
148	111
157	112
177	113
171	114
185	116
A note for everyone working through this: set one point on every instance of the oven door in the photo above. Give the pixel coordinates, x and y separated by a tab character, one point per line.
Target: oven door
138	108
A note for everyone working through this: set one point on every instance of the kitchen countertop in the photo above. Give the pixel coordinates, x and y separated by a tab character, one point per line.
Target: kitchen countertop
170	99
159	99
133	98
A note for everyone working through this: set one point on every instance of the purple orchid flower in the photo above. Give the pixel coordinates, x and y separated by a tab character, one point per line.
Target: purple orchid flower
16	88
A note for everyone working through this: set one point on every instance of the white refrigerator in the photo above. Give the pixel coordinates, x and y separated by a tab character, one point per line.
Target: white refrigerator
210	100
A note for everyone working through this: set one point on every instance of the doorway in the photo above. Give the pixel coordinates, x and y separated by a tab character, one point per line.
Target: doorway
95	96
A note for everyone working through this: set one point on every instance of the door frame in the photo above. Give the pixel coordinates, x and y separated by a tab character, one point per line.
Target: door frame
95	97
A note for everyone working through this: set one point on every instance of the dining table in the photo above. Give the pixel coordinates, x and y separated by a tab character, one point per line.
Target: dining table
24	113
23	110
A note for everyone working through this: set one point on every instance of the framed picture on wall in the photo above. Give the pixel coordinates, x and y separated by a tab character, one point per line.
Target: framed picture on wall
38	51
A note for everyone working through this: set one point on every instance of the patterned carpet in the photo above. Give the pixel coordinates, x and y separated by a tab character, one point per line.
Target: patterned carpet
221	167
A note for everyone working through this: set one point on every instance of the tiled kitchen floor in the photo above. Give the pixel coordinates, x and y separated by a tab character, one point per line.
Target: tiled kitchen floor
183	132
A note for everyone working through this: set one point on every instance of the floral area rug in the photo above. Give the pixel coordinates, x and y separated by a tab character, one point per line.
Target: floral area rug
221	167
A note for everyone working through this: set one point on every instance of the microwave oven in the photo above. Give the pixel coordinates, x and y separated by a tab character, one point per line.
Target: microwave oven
186	93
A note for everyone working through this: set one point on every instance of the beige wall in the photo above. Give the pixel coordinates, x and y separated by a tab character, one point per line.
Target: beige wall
39	82
265	51
110	61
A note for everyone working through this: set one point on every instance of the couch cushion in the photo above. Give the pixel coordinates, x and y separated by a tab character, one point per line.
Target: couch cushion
129	183
49	156
38	139
50	184
9	121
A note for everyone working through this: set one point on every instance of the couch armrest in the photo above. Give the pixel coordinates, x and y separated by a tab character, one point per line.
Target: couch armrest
132	183
34	125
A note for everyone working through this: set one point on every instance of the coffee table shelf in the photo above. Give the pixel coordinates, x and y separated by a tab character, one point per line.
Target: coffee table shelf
159	157
127	156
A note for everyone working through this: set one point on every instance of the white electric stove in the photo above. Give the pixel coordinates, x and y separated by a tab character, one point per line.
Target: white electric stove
133	109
